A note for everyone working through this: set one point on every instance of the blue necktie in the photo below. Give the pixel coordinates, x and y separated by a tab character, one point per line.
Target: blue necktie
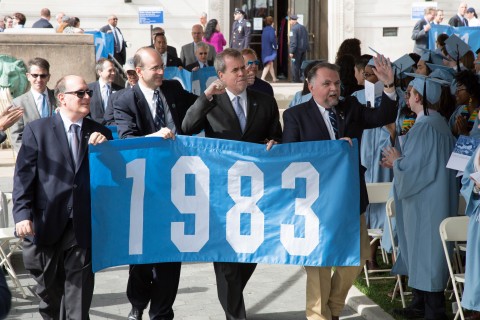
159	120
240	113
45	112
333	121
106	95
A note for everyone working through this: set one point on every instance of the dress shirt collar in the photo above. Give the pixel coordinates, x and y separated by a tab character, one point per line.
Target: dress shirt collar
147	92
242	95
67	122
37	95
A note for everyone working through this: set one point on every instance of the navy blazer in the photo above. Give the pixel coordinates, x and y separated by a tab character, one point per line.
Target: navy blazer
48	187
97	109
304	122
219	120
133	116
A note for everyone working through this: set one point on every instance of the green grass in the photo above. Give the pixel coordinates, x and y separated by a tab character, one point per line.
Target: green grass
379	290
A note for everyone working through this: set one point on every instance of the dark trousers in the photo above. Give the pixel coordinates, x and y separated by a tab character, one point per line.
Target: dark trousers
297	75
64	277
231	280
155	283
433	303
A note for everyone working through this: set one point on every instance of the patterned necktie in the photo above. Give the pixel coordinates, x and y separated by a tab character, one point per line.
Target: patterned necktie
159	120
333	121
45	112
240	113
75	143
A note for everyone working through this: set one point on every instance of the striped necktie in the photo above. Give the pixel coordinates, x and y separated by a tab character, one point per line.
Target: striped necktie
159	120
333	121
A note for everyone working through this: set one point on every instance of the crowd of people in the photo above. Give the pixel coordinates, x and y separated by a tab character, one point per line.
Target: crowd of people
406	133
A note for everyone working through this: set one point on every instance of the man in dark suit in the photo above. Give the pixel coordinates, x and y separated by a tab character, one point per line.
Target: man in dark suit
201	53
229	110
459	19
44	21
38	102
187	55
254	82
120	46
159	31
102	89
160	44
325	117
298	47
153	107
421	30
51	202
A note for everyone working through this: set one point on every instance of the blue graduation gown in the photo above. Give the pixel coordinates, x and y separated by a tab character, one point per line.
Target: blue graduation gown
475	132
299	98
373	142
471	291
425	193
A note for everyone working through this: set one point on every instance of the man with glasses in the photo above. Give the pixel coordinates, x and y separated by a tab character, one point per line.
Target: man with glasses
38	102
201	53
187	55
160	31
51	202
120	46
102	89
254	82
153	107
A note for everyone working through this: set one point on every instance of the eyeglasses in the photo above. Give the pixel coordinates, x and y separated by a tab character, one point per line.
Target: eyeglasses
250	62
42	75
157	68
460	89
202	53
366	75
80	93
159	34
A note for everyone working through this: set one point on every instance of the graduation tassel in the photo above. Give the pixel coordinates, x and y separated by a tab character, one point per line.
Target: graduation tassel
425	101
458	60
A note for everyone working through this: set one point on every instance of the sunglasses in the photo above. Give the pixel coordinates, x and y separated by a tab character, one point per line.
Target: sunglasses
202	53
42	75
250	62
80	93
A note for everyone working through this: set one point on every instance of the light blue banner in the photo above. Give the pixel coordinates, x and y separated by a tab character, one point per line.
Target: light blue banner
202	78
182	75
471	35
104	44
200	199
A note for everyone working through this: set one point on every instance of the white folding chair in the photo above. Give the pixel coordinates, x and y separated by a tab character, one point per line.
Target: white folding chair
390	212
11	243
454	229
377	193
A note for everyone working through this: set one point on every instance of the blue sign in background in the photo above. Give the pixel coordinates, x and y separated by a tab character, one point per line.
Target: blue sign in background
154	16
471	35
117	168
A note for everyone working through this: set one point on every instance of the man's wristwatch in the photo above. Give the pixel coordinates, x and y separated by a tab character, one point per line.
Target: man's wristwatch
391	85
476	190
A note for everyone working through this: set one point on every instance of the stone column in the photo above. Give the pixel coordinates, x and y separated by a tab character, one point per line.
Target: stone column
341	17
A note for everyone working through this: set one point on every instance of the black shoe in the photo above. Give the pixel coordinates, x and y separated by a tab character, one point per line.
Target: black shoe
135	314
410	313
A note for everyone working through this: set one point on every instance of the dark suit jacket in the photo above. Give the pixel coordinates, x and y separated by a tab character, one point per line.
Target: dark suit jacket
121	56
97	109
455	21
48	187
108	118
219	120
420	36
173	61
304	122
42	23
262	86
191	66
132	113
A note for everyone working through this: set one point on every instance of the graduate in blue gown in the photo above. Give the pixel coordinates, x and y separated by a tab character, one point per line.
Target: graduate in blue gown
303	95
425	193
470	191
373	142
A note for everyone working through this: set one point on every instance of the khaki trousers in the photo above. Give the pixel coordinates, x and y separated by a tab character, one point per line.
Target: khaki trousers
326	291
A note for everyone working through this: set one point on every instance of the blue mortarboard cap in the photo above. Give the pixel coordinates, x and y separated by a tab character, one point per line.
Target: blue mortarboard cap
442	75
433	87
432	56
403	64
371	63
456	47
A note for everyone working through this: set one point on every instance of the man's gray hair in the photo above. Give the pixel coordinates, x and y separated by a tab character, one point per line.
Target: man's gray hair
312	74
202	44
220	58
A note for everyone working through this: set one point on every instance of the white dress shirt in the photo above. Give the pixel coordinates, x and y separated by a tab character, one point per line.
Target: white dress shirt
152	104
243	100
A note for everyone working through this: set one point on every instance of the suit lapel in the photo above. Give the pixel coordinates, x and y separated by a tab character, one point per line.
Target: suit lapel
314	113
252	107
52	102
31	101
340	112
225	103
59	131
144	109
84	137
